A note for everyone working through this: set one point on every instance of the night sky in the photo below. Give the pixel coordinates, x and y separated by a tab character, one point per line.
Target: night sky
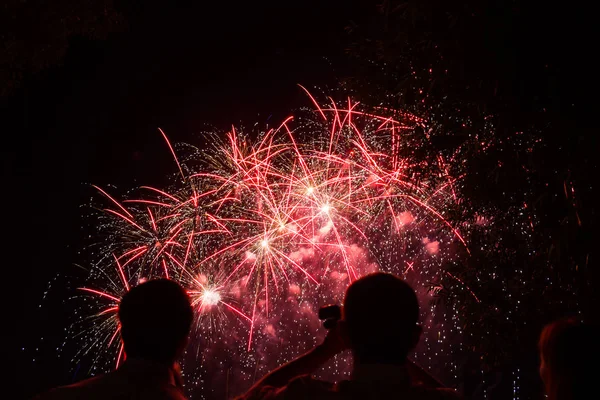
92	117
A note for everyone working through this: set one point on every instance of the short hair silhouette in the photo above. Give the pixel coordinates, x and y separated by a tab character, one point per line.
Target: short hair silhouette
569	352
381	313
155	317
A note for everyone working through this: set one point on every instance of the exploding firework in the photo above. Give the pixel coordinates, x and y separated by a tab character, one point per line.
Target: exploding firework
263	230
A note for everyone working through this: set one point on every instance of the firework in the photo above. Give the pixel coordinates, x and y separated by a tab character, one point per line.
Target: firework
262	229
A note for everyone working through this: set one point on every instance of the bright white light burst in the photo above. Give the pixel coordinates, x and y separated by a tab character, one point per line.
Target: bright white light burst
210	297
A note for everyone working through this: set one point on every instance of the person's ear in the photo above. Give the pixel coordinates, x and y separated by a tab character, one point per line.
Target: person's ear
416	336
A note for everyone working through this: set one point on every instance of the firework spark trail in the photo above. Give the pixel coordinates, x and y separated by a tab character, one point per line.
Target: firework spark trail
250	220
107	314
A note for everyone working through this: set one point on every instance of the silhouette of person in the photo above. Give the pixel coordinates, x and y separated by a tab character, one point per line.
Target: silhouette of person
379	325
155	319
569	356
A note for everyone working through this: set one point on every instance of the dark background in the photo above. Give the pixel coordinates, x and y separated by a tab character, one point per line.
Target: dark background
85	85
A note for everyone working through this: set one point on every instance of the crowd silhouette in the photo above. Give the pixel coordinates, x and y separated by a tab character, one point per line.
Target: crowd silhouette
378	323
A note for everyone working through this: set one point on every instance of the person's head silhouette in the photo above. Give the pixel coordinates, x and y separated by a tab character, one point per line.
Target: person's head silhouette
381	313
155	317
569	353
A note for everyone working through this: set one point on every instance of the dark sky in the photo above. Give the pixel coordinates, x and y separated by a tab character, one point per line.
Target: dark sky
93	118
178	65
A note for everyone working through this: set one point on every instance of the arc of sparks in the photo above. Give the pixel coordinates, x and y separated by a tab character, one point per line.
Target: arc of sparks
172	152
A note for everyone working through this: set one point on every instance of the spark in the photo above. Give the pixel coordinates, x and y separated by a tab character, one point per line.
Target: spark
316	201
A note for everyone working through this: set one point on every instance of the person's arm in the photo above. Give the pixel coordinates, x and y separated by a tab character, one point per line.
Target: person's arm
305	364
419	376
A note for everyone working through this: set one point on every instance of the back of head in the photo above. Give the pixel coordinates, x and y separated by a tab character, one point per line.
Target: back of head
155	317
381	313
569	351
